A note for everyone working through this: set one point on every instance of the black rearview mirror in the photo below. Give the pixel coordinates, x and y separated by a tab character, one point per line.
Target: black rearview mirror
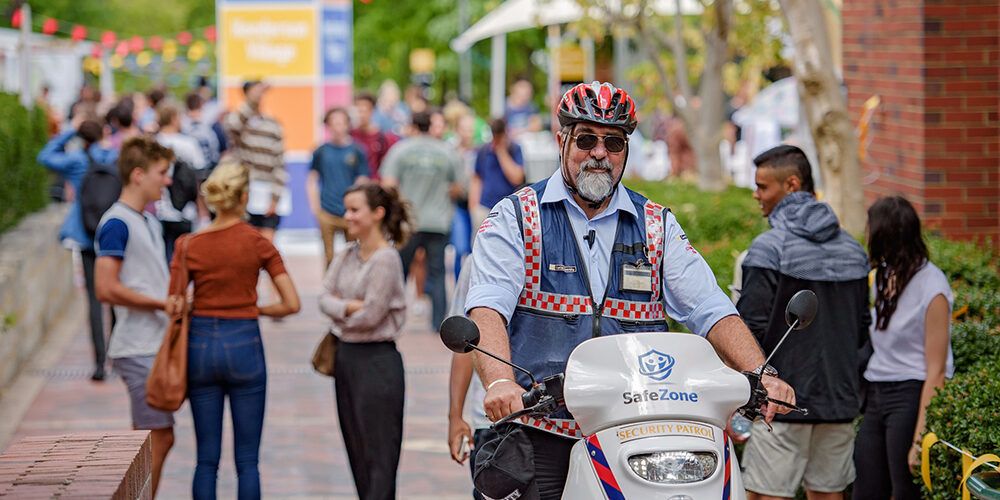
459	334
801	307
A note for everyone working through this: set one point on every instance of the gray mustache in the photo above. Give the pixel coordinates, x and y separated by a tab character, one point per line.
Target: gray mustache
593	165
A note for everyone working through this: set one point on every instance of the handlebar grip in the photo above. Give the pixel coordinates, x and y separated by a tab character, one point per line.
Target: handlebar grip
531	397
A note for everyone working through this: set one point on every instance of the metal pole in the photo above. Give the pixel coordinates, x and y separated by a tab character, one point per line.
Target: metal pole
621	57
553	41
587	43
107	78
498	75
24	57
464	58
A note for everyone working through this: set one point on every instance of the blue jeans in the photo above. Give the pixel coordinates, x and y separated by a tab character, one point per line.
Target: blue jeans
434	244
461	236
226	358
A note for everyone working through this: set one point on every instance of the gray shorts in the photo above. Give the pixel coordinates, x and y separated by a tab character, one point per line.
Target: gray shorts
134	372
818	456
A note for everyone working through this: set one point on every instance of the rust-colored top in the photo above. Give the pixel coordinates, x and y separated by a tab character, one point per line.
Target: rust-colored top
224	265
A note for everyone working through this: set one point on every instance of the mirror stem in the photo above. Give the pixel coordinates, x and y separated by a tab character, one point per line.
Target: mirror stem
790	328
504	361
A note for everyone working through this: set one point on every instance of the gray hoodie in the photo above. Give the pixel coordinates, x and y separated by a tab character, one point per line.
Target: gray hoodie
806	249
806	242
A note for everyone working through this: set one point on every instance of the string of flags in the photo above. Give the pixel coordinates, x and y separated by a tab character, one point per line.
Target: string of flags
195	45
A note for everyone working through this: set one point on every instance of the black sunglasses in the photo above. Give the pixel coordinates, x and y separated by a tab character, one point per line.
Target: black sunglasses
613	143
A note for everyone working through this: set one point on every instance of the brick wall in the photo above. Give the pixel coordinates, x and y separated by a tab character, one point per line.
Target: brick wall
115	465
936	135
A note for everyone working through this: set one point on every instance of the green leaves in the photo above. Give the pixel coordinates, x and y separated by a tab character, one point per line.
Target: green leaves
22	180
718	225
965	413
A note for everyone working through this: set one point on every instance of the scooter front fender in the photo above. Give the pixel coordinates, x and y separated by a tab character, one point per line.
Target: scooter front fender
599	467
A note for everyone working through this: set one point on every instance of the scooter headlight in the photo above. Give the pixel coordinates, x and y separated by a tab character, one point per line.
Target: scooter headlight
674	467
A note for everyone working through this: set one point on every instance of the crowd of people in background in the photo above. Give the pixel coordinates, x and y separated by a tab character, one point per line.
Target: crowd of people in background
400	180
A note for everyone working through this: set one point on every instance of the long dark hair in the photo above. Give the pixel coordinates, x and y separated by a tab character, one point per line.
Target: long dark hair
896	250
397	223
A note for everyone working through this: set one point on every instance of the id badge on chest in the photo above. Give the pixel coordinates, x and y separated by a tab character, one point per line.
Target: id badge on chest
637	277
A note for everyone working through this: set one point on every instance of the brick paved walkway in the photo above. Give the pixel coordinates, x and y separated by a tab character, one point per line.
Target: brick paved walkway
302	453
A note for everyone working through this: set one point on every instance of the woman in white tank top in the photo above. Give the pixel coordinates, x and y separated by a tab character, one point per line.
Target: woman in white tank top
912	351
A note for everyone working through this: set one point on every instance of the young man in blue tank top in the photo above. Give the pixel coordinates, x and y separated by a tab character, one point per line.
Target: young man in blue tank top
131	274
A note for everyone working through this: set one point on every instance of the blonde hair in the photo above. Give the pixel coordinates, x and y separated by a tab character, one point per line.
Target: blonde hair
224	189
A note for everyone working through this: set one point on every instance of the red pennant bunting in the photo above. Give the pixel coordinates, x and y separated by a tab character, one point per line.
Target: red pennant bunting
155	43
122	48
136	44
50	26
78	33
210	34
184	38
108	39
15	20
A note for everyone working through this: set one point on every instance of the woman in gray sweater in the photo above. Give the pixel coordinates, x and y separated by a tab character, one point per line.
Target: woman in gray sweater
365	299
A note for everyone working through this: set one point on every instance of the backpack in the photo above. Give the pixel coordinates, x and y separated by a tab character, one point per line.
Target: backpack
99	189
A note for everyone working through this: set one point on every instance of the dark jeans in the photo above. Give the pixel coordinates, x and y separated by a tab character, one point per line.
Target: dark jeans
369	381
94	309
885	439
226	358
434	244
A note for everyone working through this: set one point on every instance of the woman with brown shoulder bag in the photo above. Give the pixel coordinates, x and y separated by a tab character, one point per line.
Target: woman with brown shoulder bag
225	353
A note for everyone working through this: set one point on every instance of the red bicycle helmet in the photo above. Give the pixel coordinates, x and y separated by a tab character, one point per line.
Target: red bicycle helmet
598	102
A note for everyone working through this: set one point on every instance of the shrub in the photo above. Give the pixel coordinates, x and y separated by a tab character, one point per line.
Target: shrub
719	225
964	413
964	261
22	181
974	343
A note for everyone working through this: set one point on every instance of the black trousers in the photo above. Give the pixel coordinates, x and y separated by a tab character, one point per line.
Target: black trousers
370	391
551	462
884	441
94	310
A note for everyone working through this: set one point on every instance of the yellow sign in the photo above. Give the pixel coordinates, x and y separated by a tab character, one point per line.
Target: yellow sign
268	41
571	63
691	429
422	61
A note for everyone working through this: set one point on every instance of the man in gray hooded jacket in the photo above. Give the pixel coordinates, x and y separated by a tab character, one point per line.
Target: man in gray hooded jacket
805	249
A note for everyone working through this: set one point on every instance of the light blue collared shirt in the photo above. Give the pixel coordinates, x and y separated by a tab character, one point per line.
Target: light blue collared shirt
690	292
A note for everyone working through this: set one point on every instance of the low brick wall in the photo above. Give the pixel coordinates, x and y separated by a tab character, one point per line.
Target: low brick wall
36	285
114	465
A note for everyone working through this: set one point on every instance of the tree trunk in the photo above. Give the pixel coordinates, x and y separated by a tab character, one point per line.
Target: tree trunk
826	110
707	133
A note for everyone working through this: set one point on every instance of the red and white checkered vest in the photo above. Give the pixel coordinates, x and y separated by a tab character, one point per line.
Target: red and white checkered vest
555	311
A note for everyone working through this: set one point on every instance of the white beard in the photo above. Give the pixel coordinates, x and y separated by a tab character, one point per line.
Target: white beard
593	183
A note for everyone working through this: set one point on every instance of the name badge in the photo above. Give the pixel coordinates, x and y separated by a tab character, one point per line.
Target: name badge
637	277
561	268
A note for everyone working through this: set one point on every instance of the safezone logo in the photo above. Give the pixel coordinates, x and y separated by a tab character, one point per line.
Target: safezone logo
656	365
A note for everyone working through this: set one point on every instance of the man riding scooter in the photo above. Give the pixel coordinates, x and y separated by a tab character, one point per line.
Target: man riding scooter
578	256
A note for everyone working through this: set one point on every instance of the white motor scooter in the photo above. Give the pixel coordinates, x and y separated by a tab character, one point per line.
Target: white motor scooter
653	408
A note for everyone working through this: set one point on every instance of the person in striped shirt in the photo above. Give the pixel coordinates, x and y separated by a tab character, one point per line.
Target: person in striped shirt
257	142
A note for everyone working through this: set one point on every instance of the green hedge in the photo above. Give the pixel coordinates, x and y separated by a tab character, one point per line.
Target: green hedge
719	225
967	410
965	413
22	181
